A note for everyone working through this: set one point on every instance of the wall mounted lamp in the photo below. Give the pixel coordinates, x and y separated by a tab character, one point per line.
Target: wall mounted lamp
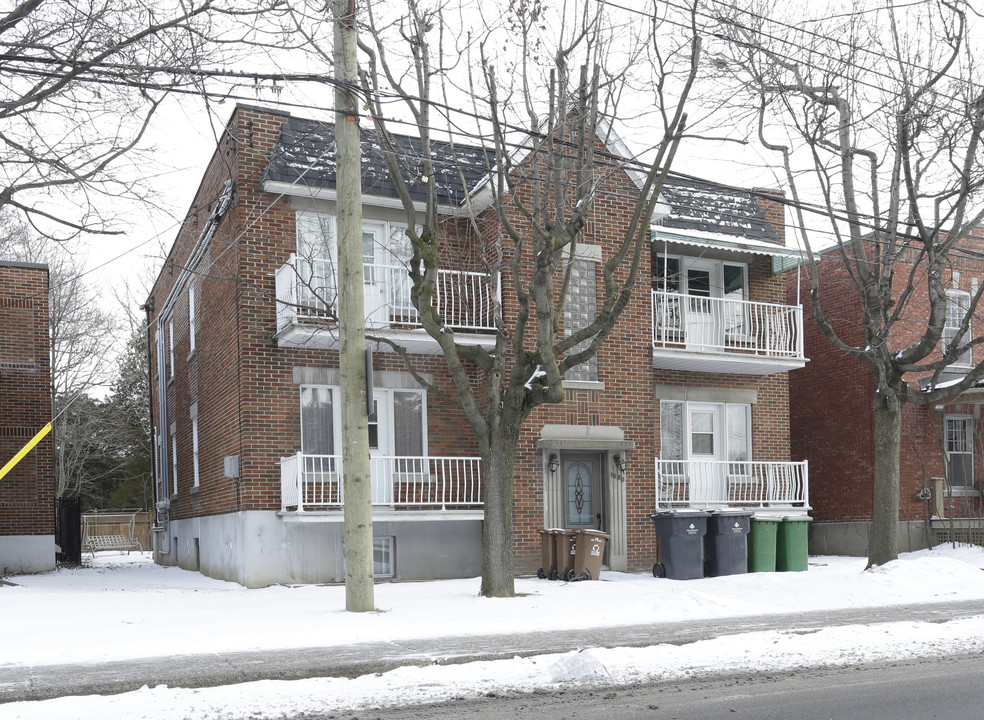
553	463
619	462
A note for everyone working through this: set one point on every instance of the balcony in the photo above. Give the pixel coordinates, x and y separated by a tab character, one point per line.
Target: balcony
722	483
314	483
722	335
307	293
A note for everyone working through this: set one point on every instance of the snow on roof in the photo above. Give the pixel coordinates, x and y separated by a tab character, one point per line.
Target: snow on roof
710	208
305	156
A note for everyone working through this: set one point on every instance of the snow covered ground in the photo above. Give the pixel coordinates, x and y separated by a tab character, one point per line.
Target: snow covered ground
127	608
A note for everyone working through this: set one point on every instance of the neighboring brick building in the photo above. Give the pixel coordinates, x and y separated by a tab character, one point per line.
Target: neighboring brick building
245	375
832	421
27	492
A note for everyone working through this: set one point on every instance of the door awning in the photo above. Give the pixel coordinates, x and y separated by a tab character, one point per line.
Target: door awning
783	257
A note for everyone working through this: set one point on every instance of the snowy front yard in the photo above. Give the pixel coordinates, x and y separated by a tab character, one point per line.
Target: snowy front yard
126	607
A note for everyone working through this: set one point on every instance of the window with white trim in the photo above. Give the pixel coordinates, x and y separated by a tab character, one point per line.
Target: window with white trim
382	557
957	307
397	427
170	346
722	430
192	319
958	447
174	458
708	283
386	250
194	444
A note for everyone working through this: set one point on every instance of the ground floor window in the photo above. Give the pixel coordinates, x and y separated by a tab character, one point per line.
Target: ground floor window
958	449
397	426
705	431
382	557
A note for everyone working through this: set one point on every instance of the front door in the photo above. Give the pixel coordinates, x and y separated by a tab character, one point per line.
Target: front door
700	321
583	496
707	479
381	463
374	274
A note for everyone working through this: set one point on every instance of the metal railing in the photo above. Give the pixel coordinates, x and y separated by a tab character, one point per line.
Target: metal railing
307	289
723	482
723	325
314	482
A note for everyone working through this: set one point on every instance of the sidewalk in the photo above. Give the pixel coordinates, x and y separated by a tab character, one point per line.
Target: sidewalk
39	682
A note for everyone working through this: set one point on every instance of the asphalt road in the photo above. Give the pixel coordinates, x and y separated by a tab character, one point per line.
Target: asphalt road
908	690
40	682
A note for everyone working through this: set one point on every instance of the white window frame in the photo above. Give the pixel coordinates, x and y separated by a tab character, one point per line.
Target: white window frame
170	341
389	433
174	458
194	445
960	300
968	422
387	231
684	263
192	319
386	547
722	440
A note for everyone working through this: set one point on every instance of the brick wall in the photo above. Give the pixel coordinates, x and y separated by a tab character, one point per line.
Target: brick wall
248	402
832	421
26	492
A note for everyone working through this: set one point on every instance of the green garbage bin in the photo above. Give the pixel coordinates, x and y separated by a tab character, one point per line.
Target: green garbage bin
762	544
792	543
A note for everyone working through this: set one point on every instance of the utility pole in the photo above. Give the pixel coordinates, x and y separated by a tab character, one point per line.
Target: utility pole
359	591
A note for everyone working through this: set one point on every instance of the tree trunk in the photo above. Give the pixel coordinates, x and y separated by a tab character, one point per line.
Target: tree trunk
497	530
883	545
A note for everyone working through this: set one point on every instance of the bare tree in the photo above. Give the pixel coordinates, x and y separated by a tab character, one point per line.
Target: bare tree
880	116
82	338
543	94
79	85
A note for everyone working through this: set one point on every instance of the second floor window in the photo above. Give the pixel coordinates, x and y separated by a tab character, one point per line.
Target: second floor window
386	250
957	307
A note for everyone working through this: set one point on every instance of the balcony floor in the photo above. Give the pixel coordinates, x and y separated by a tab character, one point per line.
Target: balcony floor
723	362
314	335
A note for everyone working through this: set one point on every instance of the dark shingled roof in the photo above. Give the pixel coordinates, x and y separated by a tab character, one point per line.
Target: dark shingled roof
305	155
710	208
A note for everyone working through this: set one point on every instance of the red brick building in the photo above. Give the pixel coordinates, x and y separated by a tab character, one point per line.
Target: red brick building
832	421
27	492
685	405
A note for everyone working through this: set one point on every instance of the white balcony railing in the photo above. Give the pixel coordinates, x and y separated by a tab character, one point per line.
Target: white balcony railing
723	325
307	290
701	483
314	482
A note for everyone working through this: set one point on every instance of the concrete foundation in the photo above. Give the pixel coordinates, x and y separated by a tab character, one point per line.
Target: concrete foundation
851	538
257	549
26	554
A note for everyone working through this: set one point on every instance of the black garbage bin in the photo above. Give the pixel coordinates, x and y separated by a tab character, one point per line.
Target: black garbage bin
681	543
725	545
